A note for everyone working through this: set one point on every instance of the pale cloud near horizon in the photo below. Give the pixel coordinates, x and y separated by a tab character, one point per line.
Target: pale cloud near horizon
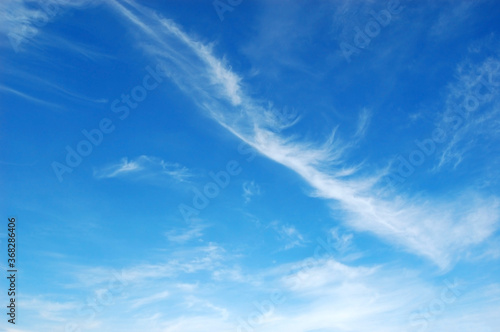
250	188
374	259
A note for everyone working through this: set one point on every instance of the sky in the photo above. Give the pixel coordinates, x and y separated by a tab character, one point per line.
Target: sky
236	165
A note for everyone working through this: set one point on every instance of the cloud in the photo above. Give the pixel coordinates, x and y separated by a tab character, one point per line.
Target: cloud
144	167
326	295
22	22
48	310
434	227
87	51
193	323
453	18
150	299
472	108
363	123
202	258
47	86
318	293
151	293
231	274
343	241
29	98
288	234
323	294
250	188
193	232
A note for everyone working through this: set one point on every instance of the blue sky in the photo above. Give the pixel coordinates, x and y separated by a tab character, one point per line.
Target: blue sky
252	165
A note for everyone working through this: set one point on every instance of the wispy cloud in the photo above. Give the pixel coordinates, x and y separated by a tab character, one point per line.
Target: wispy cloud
363	123
48	87
149	299
419	224
288	234
450	20
141	290
47	309
87	51
144	167
320	294
343	242
29	98
194	231
232	274
472	109
250	188
208	258
21	22
179	281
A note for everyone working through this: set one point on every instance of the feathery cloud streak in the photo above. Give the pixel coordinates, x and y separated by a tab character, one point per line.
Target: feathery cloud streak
439	229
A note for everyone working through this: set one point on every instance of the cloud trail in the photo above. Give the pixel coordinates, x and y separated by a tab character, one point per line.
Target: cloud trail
437	228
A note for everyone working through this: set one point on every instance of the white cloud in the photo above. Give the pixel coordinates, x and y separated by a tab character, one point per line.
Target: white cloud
363	123
326	295
471	111
29	98
450	20
232	274
343	241
22	23
150	299
194	323
208	258
48	87
194	231
250	188
317	294
144	167
288	234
